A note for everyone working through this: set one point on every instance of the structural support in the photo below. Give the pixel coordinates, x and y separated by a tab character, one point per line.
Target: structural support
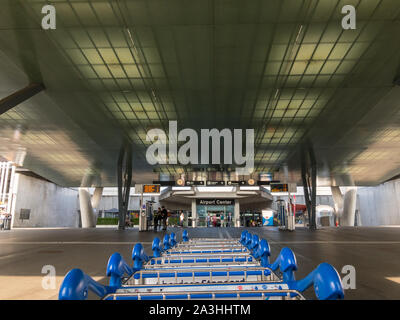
349	208
89	205
194	213
20	96
237	213
309	184
338	202
345	206
124	182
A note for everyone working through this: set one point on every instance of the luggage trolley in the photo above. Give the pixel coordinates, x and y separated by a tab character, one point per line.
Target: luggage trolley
201	269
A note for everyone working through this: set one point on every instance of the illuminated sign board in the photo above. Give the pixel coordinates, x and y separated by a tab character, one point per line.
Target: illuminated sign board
279	187
151	188
215	202
284	187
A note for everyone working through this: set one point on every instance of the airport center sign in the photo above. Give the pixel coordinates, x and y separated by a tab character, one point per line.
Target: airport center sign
215	202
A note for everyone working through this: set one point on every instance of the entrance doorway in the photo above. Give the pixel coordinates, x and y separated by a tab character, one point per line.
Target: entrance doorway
204	211
215	218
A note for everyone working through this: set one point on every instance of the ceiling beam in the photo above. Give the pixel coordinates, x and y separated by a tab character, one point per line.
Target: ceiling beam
22	95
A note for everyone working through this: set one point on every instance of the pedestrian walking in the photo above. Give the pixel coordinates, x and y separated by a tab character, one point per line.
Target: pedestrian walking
164	215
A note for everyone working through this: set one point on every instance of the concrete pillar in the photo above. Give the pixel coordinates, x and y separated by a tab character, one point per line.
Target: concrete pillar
349	208
88	206
194	213
237	213
338	201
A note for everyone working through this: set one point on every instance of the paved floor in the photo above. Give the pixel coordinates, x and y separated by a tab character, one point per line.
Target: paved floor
374	252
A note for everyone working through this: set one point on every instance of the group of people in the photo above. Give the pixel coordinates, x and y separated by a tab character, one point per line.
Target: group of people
160	216
224	221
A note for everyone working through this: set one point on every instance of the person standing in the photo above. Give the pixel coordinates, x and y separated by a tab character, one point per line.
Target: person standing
229	219
181	219
222	220
157	216
208	219
164	215
214	220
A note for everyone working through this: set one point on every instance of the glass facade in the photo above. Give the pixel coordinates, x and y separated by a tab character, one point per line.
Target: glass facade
217	210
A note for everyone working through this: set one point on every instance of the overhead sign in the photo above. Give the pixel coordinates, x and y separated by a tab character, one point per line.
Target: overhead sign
194	183
215	183
284	187
215	202
279	187
236	183
164	183
266	183
151	188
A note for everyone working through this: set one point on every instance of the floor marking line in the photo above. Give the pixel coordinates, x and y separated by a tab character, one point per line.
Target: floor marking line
221	236
73	242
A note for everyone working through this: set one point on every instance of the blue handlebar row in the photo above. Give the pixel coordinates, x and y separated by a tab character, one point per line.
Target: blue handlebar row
325	278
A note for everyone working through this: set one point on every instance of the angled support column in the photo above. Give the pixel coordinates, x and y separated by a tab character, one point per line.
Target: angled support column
345	205
194	213
89	205
20	96
309	184
349	208
338	202
124	175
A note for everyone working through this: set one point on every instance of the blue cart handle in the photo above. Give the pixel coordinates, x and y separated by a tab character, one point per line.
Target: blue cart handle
118	268
77	284
185	236
326	281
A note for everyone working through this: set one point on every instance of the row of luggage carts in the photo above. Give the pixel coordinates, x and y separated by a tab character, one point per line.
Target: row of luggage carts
204	268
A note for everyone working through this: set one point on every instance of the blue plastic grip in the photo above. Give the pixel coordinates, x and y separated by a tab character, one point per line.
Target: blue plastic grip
172	239
156	247
138	256
263	252
326	280
185	236
249	237
166	242
254	243
116	269
243	237
76	285
287	264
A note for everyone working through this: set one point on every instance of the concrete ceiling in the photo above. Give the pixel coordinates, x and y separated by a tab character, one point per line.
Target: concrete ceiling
115	69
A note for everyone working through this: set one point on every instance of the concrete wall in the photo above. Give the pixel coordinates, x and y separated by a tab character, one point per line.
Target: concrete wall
380	205
50	205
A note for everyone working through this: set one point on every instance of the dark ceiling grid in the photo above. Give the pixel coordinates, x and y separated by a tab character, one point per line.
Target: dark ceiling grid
266	56
175	167
277	88
302	76
109	70
140	154
249	60
152	91
334	72
358	100
44	133
315	78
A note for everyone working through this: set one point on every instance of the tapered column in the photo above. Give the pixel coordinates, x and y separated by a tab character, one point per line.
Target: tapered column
89	205
338	201
349	208
194	213
237	213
